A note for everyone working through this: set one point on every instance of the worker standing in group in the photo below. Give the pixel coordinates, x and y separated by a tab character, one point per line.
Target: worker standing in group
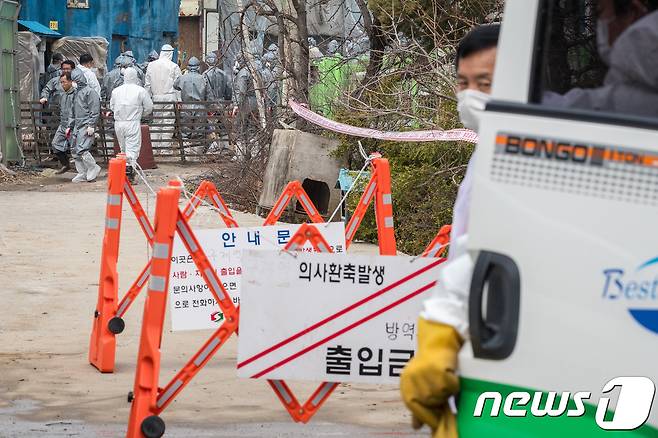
430	379
86	111
217	79
245	109
86	65
52	71
152	57
129	103
60	144
194	88
269	82
133	63
112	79
160	77
53	91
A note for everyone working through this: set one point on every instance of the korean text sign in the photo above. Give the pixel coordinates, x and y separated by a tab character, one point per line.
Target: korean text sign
325	317
191	303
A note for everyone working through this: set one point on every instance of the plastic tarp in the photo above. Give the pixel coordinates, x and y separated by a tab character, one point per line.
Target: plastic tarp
73	47
28	65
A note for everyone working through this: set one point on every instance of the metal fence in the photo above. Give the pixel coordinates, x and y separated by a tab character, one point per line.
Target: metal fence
180	131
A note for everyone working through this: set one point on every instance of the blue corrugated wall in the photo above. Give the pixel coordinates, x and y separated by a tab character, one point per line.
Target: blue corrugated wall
145	24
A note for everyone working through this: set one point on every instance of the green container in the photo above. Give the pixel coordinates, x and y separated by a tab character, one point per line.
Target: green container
9	88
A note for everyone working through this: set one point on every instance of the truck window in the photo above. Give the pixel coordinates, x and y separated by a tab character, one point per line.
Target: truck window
600	55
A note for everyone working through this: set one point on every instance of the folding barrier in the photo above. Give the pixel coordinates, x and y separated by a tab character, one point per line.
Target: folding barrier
108	316
294	189
148	400
439	245
379	189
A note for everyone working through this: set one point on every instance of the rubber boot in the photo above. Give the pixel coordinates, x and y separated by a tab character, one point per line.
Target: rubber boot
93	169
130	174
64	161
82	171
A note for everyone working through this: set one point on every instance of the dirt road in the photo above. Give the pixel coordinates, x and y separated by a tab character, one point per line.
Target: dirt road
50	239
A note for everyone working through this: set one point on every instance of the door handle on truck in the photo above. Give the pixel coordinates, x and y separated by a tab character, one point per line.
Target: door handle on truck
493	335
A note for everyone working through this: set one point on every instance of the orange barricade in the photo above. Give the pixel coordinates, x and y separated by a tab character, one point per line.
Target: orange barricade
303	413
148	399
379	189
108	316
294	189
439	245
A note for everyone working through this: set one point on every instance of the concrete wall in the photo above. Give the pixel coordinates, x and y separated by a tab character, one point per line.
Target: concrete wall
296	155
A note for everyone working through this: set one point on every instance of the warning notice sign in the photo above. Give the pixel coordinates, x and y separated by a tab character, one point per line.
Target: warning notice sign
191	302
326	317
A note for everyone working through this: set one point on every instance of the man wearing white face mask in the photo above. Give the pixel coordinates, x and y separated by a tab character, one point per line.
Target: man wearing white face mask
430	379
627	42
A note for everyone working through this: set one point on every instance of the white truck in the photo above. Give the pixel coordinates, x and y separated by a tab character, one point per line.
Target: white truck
564	298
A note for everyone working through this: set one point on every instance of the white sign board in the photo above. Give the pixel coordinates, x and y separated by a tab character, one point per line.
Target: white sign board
335	318
191	302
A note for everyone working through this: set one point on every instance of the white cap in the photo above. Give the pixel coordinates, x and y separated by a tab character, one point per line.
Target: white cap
167	48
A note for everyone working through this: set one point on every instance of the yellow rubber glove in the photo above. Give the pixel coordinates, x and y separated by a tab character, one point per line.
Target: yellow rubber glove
430	378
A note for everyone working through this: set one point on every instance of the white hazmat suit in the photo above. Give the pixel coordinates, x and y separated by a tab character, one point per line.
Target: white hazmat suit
129	103
160	77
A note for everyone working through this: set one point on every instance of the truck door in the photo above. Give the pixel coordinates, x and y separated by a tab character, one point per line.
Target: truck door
564	295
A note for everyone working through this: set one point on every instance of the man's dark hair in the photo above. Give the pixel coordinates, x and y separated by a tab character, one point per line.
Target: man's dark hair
57	57
622	7
69	62
480	38
86	58
66	75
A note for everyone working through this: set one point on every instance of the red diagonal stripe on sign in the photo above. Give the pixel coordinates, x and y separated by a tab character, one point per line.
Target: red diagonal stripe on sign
340	313
343	330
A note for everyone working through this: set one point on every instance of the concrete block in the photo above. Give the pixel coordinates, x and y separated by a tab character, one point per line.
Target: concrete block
296	155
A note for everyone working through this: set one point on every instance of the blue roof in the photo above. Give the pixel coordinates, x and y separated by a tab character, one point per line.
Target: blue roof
36	27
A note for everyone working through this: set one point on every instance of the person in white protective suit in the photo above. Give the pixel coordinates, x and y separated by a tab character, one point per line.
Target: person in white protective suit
129	103
85	114
430	378
627	42
159	82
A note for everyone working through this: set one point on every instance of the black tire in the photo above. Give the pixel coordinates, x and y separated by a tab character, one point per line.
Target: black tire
153	427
